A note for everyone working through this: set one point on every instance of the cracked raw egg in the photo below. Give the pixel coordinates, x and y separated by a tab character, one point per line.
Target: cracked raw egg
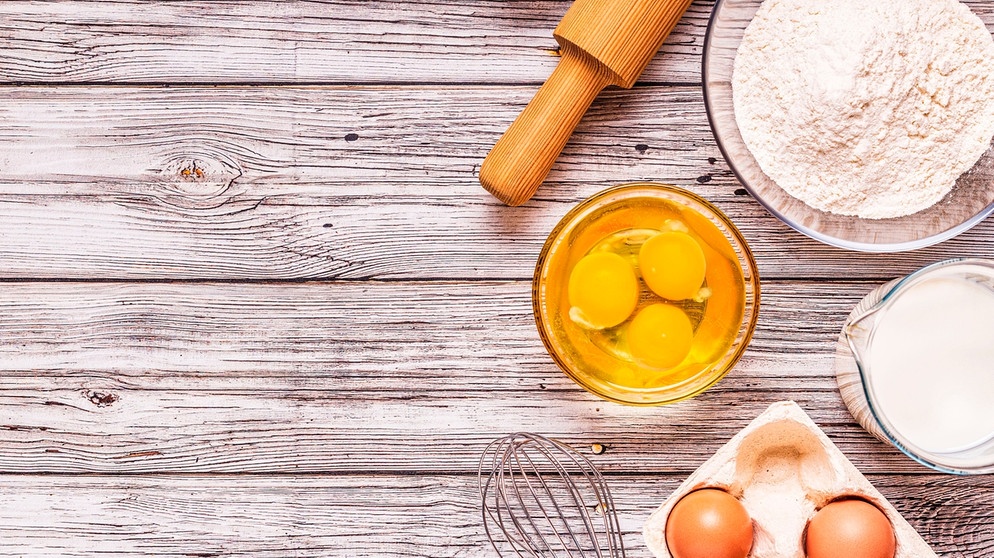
603	290
673	265
660	336
645	293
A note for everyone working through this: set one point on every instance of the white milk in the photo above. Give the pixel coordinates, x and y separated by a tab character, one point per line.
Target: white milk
931	364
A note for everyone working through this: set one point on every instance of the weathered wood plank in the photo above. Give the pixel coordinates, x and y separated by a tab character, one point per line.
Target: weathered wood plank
263	183
112	430
164	335
126	378
349	136
167	236
347	42
486	42
396	516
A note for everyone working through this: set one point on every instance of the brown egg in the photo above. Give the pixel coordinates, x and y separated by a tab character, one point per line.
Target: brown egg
850	528
709	523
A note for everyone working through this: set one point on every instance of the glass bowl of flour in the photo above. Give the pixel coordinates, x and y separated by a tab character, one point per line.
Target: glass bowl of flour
864	125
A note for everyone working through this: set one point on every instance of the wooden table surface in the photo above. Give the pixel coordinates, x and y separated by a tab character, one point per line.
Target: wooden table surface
255	303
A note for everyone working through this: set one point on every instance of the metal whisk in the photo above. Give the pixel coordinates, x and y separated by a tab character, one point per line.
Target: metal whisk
541	498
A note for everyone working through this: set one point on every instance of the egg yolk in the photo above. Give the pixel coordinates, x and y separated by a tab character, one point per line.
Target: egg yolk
709	523
603	290
660	336
851	528
673	265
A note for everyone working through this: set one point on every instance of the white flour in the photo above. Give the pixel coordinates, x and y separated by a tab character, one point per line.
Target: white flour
867	108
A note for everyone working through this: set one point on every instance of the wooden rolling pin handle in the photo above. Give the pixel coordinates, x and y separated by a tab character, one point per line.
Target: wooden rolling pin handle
523	156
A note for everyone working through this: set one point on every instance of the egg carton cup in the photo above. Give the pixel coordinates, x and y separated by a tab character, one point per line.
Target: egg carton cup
783	468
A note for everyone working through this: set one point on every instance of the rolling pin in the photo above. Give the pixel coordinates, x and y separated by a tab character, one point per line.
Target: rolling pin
602	42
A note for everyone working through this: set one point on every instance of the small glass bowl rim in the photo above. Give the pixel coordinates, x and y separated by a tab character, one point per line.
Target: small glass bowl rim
570	220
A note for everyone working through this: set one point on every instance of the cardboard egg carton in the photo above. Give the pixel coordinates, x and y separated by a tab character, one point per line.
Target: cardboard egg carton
783	468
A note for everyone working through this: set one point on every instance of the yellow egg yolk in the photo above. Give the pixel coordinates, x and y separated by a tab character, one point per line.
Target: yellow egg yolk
603	290
660	336
673	265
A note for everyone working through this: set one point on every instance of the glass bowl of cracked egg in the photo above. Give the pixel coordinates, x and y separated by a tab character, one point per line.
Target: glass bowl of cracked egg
645	294
864	125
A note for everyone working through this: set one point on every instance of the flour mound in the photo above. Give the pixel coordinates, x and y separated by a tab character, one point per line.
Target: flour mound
871	109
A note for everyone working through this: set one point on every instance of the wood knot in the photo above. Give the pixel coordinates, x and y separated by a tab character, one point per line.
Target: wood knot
192	171
101	399
196	182
201	175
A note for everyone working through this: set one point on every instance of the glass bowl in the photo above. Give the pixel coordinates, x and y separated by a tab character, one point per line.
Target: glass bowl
969	202
623	217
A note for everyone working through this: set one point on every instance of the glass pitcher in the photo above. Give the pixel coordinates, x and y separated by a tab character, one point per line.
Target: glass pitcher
919	369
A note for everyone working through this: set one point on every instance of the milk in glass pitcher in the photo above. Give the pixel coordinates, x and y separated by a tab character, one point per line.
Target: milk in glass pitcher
923	378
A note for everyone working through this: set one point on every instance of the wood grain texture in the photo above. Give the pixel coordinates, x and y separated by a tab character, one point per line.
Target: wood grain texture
303	42
269	183
353	139
332	377
164	335
395	516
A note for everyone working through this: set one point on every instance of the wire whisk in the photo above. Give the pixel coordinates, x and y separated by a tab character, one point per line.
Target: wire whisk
541	498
